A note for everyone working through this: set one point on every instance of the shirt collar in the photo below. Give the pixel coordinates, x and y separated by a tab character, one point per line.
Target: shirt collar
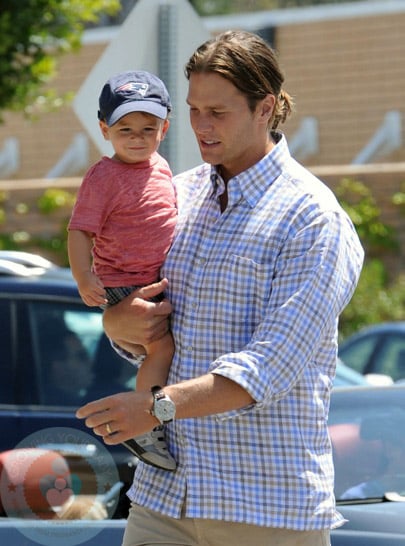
253	182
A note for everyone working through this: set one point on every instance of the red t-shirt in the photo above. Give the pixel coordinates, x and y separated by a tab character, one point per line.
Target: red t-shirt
131	211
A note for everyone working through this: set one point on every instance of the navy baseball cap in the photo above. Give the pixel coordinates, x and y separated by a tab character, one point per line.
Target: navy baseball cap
137	91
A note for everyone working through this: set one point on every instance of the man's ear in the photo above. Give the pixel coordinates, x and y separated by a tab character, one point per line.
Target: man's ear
266	107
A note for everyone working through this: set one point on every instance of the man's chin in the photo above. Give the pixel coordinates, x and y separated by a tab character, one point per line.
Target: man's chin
209	156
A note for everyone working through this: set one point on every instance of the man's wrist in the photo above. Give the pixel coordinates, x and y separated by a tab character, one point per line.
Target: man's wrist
163	407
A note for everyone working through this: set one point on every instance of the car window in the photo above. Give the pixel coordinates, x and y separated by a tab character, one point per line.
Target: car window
390	359
7	372
368	452
73	358
357	354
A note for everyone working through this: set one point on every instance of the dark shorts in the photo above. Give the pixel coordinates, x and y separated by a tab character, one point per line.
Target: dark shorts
115	294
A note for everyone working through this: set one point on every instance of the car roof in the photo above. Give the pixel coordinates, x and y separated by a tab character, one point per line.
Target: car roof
398	326
25	264
38	285
354	396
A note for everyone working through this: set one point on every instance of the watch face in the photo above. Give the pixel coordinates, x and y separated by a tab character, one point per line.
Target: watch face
165	410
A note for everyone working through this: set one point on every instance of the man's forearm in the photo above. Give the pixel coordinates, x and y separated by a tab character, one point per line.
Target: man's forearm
207	395
128	413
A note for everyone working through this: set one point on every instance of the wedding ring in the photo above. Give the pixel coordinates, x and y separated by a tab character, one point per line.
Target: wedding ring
108	428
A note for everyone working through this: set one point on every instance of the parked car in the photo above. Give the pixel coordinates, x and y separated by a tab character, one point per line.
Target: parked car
54	358
66	533
38	312
26	264
367	430
376	349
346	377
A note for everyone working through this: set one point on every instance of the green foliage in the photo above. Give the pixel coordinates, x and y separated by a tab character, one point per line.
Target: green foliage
56	245
33	34
356	198
399	198
52	199
377	298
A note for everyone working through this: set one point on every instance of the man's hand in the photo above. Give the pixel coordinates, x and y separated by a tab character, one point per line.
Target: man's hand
135	320
119	417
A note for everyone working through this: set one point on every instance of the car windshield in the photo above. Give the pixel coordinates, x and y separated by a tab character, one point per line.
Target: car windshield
369	451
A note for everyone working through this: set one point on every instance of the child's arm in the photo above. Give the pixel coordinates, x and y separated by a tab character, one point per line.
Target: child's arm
90	287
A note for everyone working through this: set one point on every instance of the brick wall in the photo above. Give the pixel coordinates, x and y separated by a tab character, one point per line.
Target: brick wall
348	73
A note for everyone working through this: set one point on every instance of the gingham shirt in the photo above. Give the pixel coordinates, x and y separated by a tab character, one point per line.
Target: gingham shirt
256	292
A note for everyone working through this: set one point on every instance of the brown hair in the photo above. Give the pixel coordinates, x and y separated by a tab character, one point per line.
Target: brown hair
250	64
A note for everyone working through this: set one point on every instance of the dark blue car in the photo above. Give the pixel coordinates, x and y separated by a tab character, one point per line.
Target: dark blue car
55	357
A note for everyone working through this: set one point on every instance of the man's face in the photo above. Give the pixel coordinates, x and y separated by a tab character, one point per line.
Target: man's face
228	133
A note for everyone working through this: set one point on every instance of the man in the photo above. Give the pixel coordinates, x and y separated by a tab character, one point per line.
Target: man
263	262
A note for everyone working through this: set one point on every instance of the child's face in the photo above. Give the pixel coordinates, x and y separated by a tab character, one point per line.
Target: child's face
136	136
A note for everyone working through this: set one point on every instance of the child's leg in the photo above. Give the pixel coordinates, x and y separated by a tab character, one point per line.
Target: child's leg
155	368
151	447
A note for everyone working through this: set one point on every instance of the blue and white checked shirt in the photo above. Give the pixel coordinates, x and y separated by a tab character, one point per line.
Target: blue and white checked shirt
256	293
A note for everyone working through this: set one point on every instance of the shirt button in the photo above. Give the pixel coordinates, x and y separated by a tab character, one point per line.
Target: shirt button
190	348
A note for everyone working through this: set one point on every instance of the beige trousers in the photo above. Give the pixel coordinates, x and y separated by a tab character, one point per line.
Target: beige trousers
148	528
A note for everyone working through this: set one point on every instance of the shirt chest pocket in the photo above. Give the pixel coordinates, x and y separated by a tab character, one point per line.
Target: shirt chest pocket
241	289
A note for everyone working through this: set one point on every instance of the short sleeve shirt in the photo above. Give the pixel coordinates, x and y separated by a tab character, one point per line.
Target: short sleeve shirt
130	210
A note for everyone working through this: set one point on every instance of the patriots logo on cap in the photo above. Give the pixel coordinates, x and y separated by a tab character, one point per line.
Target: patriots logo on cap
138	87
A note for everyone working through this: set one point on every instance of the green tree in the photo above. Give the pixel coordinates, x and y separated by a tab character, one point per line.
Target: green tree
378	297
33	35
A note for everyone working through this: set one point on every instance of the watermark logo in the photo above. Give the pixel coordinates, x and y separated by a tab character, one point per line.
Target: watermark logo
56	483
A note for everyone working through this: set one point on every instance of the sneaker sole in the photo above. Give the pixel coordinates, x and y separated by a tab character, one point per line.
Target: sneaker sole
139	452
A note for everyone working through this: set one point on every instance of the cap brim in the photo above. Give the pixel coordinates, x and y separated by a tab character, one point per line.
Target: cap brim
149	107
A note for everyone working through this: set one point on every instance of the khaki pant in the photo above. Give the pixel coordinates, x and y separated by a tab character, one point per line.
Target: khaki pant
148	528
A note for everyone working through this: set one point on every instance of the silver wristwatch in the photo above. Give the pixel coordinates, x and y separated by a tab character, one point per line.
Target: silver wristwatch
163	408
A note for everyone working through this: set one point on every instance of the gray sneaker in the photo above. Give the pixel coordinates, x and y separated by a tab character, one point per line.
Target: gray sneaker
151	448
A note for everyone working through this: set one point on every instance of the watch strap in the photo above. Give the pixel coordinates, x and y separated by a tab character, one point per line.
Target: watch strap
157	392
158	395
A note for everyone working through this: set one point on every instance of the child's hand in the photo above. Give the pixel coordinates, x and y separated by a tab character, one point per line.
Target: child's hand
91	290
